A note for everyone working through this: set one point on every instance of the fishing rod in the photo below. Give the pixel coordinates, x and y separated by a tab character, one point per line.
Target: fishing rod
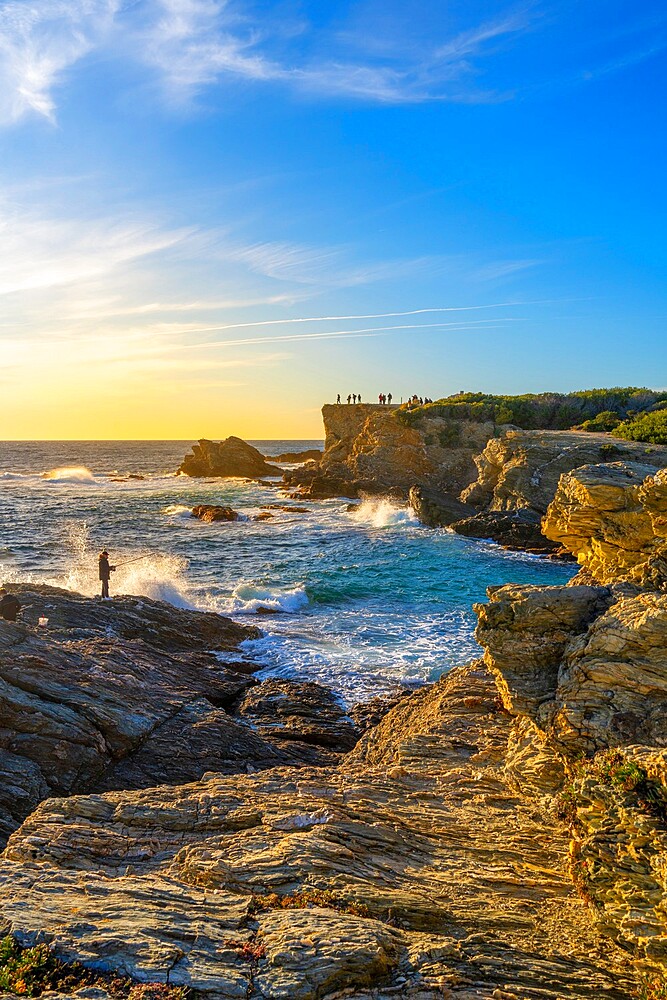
136	559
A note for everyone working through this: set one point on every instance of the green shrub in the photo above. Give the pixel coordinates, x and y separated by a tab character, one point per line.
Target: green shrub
540	411
605	421
650	426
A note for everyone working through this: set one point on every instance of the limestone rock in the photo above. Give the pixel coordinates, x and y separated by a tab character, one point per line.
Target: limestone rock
211	512
369	449
412	870
613	518
522	468
620	845
437	510
612	684
525	630
231	457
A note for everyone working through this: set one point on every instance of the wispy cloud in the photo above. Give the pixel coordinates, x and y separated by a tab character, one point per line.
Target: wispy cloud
191	45
39	41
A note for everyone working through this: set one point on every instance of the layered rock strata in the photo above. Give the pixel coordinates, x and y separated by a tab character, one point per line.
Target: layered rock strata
368	449
414	870
86	704
613	518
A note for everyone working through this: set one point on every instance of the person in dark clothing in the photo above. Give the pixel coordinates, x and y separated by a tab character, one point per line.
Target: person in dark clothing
338	399
389	398
105	572
9	606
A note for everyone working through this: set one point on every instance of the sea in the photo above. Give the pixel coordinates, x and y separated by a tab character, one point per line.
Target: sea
363	598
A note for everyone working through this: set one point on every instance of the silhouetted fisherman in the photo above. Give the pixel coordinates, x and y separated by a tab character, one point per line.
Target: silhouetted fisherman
105	572
9	606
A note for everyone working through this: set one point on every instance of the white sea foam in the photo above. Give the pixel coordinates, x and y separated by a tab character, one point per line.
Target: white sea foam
179	510
78	474
247	598
383	514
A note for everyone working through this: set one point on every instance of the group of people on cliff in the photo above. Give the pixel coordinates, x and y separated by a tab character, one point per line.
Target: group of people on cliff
355	397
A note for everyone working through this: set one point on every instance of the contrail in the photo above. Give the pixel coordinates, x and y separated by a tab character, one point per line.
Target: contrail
340	319
371	331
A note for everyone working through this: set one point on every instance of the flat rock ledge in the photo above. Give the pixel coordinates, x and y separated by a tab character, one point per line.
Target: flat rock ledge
414	870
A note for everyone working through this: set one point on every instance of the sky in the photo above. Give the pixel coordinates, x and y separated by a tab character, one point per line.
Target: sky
215	215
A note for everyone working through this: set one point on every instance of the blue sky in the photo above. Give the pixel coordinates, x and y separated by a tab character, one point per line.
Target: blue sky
216	215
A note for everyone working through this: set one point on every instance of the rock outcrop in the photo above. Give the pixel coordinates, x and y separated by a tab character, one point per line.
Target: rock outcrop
437	510
299	710
309	455
122	694
613	518
414	870
522	469
520	530
229	458
369	449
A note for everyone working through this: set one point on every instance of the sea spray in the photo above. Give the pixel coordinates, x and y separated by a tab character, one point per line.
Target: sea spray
71	474
382	513
247	598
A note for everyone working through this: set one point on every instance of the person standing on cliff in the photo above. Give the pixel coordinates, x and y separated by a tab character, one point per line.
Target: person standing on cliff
354	397
358	397
349	399
105	572
338	399
389	398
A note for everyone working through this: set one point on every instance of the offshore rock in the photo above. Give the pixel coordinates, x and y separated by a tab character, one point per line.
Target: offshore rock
613	518
310	455
437	510
520	530
86	704
522	468
231	457
210	512
414	870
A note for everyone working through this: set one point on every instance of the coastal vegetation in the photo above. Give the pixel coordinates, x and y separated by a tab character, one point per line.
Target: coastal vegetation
590	409
650	427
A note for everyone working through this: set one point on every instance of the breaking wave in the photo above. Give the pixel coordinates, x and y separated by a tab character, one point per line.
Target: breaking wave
247	598
383	514
71	474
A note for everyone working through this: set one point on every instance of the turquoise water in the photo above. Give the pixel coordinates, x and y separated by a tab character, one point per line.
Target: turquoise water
365	598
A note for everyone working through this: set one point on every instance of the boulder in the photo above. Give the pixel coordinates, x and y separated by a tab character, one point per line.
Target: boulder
520	530
301	711
437	510
413	870
209	512
231	457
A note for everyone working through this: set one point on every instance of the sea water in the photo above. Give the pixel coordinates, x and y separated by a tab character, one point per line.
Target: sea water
364	598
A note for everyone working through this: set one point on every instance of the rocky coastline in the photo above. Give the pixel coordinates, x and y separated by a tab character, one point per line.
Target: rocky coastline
500	834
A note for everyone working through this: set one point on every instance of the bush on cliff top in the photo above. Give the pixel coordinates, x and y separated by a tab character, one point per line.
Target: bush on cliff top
650	427
537	411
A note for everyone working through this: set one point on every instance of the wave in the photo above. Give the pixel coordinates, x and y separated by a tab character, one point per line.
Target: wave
248	598
17	475
383	514
178	510
78	474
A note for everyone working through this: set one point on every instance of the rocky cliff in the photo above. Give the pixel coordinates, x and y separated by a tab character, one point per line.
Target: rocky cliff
613	518
369	449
